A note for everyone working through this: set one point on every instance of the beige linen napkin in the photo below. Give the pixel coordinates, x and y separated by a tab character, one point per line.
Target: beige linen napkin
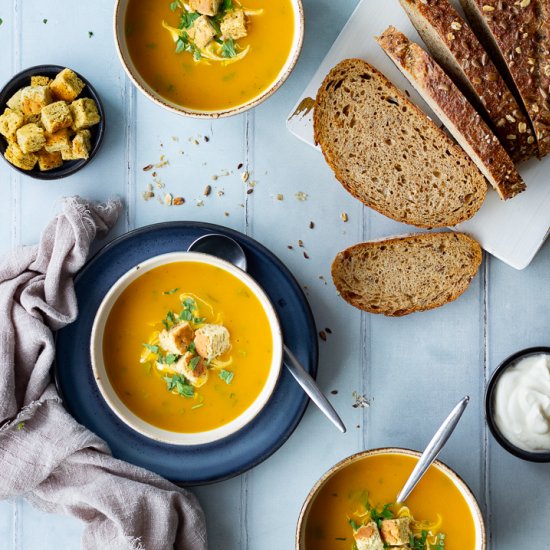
45	454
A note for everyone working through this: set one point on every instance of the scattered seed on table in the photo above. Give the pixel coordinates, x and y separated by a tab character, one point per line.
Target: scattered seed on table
300	243
226	214
239	166
306	256
207	190
200	203
147	168
279	197
148	195
178	201
290	247
311	225
245	176
301	196
207	139
334	392
328	330
220	193
214	177
168	199
249	191
323	336
154	174
344	217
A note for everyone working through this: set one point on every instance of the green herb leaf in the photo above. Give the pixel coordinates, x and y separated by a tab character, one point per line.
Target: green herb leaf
174	5
191	347
186	315
90	34
151	348
171	358
173	291
418	543
227	5
180	384
44	21
199	320
228	48
171	318
440	544
194	362
386	513
227	376
166	325
197	55
188	18
189	303
181	45
21	425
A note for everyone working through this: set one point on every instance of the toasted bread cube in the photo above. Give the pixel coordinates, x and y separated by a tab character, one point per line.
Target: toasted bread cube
396	532
201	32
40	80
14	102
31	138
85	114
367	537
34	119
205	7
177	339
82	143
24	161
212	341
56	116
233	25
55	143
194	368
66	86
48	161
67	153
10	122
34	99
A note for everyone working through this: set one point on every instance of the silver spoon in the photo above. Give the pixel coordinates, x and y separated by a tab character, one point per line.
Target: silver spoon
433	449
230	250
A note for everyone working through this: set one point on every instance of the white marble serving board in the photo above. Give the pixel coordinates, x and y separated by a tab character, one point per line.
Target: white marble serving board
513	231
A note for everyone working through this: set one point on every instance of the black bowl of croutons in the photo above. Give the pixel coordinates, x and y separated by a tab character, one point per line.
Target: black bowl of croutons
51	122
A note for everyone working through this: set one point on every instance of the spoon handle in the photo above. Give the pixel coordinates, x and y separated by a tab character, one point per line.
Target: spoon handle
312	389
432	450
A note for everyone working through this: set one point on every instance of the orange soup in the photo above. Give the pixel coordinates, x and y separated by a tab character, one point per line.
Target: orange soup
219	315
179	72
373	482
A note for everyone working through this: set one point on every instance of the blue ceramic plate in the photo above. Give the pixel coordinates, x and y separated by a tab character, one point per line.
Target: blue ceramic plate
202	463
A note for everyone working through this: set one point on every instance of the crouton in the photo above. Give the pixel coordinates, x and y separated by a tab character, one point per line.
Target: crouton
22	160
10	122
48	161
367	537
205	7
84	112
177	339
34	99
82	143
67	153
30	138
40	80
202	32
56	116
212	341
233	25
396	532
194	368
58	141
66	86
14	102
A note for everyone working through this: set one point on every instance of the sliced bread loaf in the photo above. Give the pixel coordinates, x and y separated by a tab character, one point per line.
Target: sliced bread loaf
518	33
455	47
401	275
455	111
389	154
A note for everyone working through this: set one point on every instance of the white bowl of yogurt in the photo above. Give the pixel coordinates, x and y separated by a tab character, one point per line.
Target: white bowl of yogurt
517	404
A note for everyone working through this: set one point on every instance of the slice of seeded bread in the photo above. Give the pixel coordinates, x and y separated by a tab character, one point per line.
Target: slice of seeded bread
455	47
455	111
387	153
401	275
517	33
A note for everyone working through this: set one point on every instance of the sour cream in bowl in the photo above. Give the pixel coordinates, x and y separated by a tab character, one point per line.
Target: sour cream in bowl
517	404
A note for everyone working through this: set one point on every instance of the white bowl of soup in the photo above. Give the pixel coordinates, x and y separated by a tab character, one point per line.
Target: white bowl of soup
354	503
186	348
208	58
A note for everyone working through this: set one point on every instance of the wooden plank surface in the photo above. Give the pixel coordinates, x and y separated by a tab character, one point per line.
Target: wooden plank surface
411	370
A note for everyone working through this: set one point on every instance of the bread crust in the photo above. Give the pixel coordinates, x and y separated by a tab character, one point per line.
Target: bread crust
465	122
449	218
407	242
479	75
521	32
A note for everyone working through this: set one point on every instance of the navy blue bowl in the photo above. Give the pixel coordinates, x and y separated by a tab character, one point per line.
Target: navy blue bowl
69	167
489	406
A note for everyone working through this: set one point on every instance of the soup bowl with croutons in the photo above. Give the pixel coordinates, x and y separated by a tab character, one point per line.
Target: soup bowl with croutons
208	58
186	348
353	506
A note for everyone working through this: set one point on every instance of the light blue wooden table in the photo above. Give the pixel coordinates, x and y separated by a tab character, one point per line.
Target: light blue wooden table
412	370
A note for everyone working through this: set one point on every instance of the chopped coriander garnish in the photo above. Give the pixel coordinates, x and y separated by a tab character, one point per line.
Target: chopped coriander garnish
199	320
188	18
188	303
180	384
44	21
228	48
355	526
191	347
171	358
151	348
174	5
186	315
227	5
166	325
21	425
194	362
90	34
171	318
386	513
227	376
174	290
